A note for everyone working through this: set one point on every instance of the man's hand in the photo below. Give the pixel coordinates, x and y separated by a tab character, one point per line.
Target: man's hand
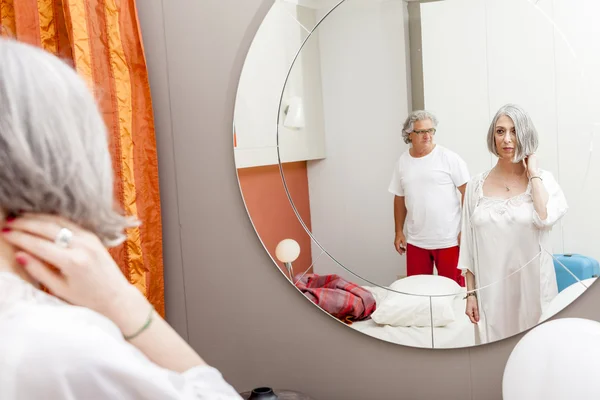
400	243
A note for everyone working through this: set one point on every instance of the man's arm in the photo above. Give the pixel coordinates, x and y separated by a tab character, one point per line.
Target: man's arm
461	189
399	218
399	213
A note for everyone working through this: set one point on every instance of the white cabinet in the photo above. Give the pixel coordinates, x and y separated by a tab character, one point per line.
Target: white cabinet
259	92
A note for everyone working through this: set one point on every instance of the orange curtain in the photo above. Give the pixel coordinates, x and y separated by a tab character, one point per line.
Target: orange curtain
102	41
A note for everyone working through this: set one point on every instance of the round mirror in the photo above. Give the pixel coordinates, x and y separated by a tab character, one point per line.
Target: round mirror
424	171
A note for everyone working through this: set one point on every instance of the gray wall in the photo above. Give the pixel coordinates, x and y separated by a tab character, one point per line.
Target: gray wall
222	291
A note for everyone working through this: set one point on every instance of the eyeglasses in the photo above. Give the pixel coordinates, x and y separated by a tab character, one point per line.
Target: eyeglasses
430	131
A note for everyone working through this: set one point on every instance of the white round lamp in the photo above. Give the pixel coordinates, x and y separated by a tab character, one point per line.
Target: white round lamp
558	360
287	251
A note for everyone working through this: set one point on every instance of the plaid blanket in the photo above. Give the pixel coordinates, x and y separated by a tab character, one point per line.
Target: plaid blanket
340	298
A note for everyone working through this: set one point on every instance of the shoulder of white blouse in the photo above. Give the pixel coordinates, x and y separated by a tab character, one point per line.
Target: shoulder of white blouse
477	180
474	188
14	290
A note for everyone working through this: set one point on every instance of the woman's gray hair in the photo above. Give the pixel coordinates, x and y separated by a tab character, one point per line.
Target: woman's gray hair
409	123
54	155
527	136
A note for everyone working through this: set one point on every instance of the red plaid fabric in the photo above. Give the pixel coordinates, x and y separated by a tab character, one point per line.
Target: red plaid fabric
340	298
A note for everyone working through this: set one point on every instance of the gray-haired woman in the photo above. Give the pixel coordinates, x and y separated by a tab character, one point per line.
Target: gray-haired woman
507	216
97	337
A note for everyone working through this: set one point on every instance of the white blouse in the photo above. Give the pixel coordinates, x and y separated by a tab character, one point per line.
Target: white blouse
52	350
506	245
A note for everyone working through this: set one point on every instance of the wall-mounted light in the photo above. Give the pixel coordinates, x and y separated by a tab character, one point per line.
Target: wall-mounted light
294	113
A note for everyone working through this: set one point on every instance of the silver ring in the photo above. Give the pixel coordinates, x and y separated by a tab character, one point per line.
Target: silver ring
63	238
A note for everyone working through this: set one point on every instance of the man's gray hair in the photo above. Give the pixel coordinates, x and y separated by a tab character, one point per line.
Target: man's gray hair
527	136
409	123
54	155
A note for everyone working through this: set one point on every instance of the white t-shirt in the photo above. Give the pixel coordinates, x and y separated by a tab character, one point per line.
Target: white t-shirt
428	185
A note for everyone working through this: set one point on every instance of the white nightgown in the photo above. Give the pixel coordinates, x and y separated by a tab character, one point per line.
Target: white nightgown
52	350
505	245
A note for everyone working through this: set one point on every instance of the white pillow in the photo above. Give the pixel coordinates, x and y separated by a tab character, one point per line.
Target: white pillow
407	310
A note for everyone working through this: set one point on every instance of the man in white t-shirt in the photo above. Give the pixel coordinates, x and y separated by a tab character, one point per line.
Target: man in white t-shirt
427	208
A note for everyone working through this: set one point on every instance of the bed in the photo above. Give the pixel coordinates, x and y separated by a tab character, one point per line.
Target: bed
459	333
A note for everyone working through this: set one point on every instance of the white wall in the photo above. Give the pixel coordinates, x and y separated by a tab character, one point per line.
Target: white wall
578	103
365	99
269	59
499	51
455	78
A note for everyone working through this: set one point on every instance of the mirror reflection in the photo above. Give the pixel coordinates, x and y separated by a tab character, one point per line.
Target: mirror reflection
508	212
433	161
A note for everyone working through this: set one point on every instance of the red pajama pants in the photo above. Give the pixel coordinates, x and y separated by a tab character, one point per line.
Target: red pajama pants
420	262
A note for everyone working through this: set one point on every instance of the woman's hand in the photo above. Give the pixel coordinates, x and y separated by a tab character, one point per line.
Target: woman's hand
472	309
531	163
83	274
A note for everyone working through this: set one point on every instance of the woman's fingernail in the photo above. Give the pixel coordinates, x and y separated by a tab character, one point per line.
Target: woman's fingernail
6	229
11	216
21	260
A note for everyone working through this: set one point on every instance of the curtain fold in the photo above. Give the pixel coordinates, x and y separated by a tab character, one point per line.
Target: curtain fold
101	39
